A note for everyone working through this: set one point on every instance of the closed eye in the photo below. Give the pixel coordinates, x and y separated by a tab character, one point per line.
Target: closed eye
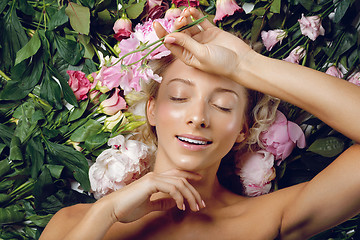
177	99
223	108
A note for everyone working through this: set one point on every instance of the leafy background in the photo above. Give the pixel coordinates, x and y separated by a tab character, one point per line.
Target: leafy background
41	39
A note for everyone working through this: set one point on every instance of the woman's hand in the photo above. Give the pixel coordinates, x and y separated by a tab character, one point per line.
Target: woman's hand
133	201
205	46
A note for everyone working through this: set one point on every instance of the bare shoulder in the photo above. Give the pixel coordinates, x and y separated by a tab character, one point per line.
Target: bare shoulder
64	220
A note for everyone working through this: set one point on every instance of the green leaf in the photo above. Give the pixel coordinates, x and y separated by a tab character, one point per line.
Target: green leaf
12	38
3	5
89	66
15	149
79	17
256	28
327	147
96	141
67	91
5	167
25	7
275	6
310	5
258	11
55	170
29	49
134	10
70	50
341	10
73	160
88	3
36	154
5	134
91	127
89	48
25	125
25	76
11	214
50	91
348	41
40	220
58	19
78	112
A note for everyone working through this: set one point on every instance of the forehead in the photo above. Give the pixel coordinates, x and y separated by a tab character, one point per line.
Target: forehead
198	78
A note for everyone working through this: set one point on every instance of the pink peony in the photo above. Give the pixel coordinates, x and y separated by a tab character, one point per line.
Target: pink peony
173	13
114	168
281	137
355	79
334	71
226	8
296	55
122	28
79	84
311	27
256	172
113	104
272	37
185	3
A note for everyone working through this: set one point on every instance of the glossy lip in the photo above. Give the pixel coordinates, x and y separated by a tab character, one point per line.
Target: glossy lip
193	147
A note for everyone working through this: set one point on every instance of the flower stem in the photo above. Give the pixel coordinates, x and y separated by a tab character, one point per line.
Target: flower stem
2	74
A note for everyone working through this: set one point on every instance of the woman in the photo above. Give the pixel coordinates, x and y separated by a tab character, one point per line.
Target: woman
199	113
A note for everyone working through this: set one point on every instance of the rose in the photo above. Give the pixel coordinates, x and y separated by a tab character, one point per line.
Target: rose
153	3
116	167
122	28
334	71
225	8
79	84
355	79
185	3
311	27
272	37
113	104
256	172
172	13
110	122
157	11
296	55
280	138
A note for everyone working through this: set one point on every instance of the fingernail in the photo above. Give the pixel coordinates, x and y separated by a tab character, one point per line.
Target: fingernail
184	10
169	39
197	207
179	19
183	208
203	203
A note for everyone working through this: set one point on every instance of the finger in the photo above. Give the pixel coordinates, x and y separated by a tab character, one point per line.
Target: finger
183	174
186	49
162	204
159	29
196	14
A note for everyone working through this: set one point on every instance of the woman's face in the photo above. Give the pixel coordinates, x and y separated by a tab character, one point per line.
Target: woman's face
198	118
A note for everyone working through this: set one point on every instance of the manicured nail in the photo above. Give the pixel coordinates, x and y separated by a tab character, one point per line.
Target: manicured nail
179	19
169	39
203	203
183	208
197	207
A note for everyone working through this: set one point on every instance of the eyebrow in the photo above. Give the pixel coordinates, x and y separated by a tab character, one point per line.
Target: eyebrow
226	90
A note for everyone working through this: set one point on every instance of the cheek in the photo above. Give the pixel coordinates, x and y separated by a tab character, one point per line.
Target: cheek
167	114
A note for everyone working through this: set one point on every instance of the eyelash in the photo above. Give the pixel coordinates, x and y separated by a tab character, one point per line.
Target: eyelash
223	109
177	99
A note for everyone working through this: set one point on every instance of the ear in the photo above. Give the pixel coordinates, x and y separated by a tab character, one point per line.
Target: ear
241	137
150	111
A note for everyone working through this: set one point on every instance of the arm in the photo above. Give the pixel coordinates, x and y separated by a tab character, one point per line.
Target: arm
126	205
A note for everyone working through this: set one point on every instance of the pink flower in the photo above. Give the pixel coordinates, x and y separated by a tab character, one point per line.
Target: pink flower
113	104
281	137
122	28
355	79
256	172
153	3
334	71
79	84
225	8
157	12
116	167
185	3
173	13
272	37
296	55
311	27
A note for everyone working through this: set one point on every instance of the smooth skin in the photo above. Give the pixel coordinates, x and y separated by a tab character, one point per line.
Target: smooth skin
182	198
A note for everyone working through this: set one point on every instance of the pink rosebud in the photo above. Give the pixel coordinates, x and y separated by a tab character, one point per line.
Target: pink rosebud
334	71
95	96
122	28
281	137
355	79
272	37
226	8
113	104
79	84
153	3
185	3
118	166
256	172
157	12
173	13
311	27
296	55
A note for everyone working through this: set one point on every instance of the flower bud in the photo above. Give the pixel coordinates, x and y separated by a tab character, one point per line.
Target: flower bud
334	71
355	79
272	37
110	122
172	13
311	27
122	28
113	104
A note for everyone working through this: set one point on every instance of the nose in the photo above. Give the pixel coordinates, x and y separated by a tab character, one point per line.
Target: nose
198	116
